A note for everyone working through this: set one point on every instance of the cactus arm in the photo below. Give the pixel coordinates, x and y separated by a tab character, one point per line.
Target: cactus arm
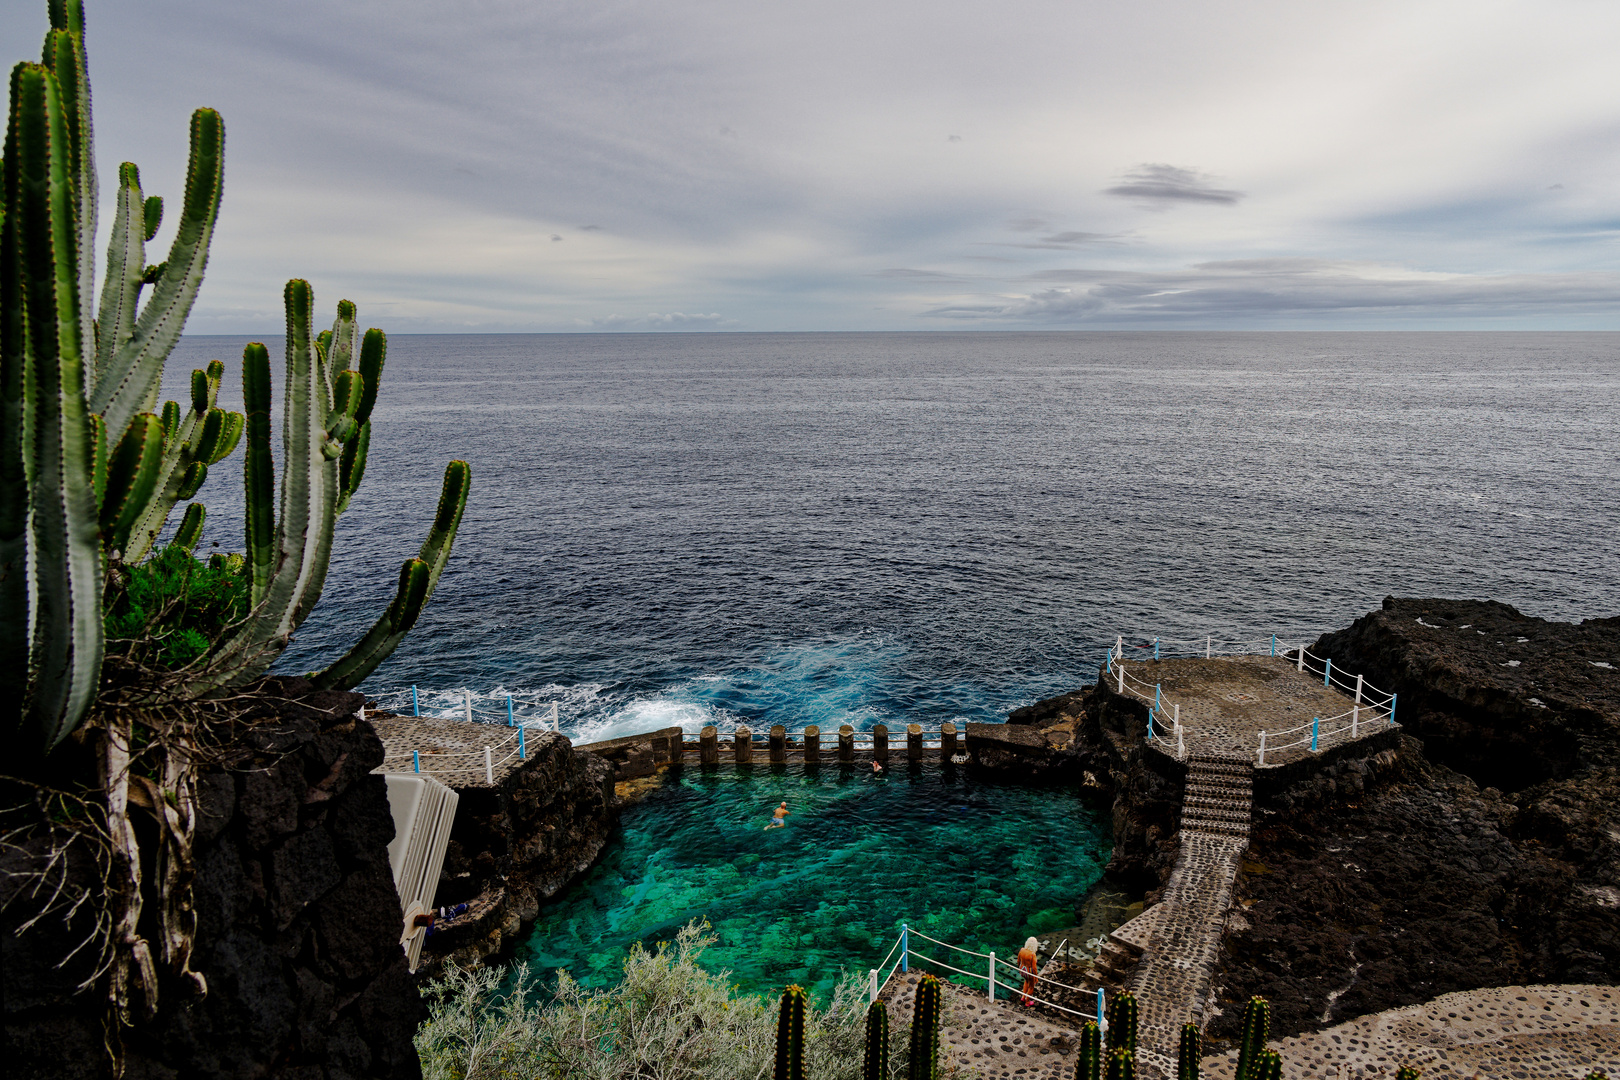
373	355
258	470
126	264
133	474
191	527
352	466
1189	1052
1089	1066
64	56
389	630
65	541
790	1036
137	365
151	215
342	344
875	1060
16	442
309	483
923	1063
184	464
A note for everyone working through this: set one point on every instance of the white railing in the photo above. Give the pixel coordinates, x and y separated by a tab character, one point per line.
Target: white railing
991	975
535	714
1371	708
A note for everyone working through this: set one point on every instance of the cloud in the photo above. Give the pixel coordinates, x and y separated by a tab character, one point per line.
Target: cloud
675	320
1162	186
1239	289
1065	241
906	273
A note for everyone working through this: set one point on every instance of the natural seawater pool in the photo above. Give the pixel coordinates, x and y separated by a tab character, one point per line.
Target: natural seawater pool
962	859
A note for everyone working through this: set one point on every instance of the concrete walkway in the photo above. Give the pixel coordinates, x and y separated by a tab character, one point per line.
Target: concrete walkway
994	1040
1506	1033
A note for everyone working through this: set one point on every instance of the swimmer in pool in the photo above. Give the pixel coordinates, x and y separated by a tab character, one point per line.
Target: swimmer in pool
877	768
777	817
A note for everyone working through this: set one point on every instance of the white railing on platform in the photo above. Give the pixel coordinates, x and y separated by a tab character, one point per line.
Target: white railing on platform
1371	707
536	714
991	975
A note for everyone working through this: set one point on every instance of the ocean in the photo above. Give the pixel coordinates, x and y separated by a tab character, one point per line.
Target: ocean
828	528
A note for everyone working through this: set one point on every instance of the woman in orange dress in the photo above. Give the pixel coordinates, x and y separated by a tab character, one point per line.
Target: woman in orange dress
1026	964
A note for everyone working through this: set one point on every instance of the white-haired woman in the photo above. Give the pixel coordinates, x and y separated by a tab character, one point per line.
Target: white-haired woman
1026	963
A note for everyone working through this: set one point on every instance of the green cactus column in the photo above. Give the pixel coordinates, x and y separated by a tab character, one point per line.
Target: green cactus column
1122	1014
1256	1027
1089	1067
875	1060
1188	1054
1121	1064
790	1035
924	1056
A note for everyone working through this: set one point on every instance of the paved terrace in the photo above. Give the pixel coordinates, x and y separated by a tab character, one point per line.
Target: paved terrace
1227	701
451	751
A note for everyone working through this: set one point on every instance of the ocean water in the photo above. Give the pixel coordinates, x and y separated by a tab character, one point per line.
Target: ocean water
829	528
972	863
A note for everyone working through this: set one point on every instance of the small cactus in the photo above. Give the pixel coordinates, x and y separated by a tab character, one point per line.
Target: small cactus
1122	1022
1121	1064
1407	1072
1268	1066
790	1035
1256	1027
1089	1067
875	1062
924	1058
1192	1048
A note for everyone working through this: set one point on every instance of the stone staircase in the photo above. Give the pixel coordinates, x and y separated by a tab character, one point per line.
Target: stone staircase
1219	797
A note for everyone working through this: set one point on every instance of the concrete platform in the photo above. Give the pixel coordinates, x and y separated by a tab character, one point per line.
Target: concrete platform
451	751
989	1040
1228	700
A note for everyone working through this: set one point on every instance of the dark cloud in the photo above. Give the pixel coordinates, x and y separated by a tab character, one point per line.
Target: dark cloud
590	228
1240	289
953	138
1162	186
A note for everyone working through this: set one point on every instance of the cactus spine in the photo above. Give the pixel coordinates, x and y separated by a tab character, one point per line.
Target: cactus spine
1089	1067
1121	1064
875	1061
1122	1022
790	1035
923	1063
1256	1027
1191	1049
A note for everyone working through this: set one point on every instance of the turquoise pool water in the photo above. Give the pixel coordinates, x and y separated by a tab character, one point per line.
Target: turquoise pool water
963	860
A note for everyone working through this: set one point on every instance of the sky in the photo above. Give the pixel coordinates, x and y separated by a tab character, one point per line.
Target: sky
487	166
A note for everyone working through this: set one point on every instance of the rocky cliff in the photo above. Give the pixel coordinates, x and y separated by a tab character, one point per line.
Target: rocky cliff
1483	851
298	922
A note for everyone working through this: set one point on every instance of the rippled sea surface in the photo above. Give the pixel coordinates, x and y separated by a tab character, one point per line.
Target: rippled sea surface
824	528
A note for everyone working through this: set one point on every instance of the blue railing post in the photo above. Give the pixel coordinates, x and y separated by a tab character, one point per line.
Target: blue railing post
416	760
1327	672
521	754
1316	724
414	710
1392	698
1155	648
1273	644
508	710
1102	1019
905	948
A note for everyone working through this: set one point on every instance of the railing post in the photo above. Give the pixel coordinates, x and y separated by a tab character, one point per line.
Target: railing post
742	743
905	948
872	991
489	765
990	987
1155	647
1273	644
1119	647
466	700
880	744
416	761
1102	1015
521	749
508	710
1358	688
947	741
1355	720
1316	725
1209	646
1301	666
812	745
846	744
1181	744
914	742
1108	661
556	722
777	744
1327	672
708	746
1392	698
1262	759
1121	671
414	710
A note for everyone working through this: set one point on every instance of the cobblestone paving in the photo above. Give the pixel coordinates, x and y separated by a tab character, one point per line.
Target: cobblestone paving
452	751
1506	1033
1227	701
995	1040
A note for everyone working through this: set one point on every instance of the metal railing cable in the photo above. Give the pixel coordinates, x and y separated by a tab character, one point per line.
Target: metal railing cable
989	975
948	945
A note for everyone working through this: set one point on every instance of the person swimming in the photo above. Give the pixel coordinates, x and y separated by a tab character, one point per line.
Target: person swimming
778	816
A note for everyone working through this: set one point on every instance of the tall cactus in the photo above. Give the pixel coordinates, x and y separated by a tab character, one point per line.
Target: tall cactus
327	412
1189	1052
71	383
1256	1028
923	1061
1407	1072
1122	1013
1089	1066
1268	1066
790	1035
875	1060
1121	1064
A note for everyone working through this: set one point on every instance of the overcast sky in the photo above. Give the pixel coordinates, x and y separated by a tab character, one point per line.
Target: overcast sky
829	165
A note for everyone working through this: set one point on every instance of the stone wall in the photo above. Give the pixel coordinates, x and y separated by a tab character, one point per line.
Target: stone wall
298	923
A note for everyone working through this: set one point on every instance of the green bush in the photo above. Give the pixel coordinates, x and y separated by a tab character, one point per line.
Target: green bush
168	610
